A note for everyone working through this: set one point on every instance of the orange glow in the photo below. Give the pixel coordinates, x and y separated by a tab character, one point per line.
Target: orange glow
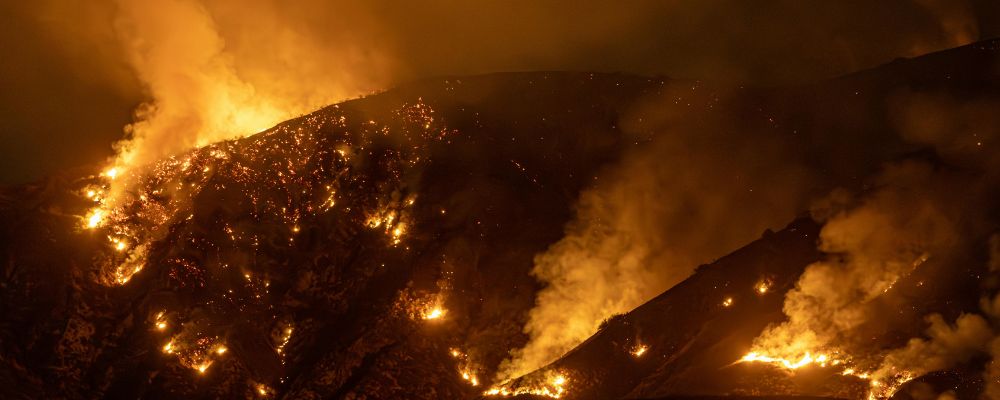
639	350
435	313
553	386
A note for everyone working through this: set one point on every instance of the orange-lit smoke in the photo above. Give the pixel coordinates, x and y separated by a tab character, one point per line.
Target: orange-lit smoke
650	220
213	72
914	212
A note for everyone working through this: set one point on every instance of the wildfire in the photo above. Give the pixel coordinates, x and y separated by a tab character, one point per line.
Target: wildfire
435	313
95	218
136	206
728	301
554	386
639	350
762	287
111	173
196	354
470	377
160	321
203	366
877	389
286	335
822	360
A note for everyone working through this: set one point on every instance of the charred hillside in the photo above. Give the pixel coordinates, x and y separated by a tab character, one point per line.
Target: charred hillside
384	247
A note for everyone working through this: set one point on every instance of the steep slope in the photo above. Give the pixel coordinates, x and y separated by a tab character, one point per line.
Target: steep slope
309	251
693	336
382	247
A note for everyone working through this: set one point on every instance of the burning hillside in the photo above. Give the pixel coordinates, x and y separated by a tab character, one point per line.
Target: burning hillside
516	235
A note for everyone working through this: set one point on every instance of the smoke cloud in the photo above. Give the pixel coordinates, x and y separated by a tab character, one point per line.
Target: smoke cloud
873	244
225	68
922	209
946	346
701	188
205	88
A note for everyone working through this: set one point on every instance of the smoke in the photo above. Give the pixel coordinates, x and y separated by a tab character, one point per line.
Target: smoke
923	209
946	346
699	189
872	245
222	69
276	59
205	88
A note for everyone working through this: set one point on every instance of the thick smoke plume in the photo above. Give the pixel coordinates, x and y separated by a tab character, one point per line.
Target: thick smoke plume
945	346
205	87
696	192
923	210
873	244
279	58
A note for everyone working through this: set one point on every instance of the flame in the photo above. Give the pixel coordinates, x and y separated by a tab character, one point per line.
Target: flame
435	313
763	286
160	322
286	335
728	301
132	202
95	218
877	389
111	173
553	386
203	366
639	350
470	377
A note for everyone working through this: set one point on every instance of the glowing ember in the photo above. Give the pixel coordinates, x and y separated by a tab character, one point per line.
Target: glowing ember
639	350
282	341
203	366
762	287
160	321
435	313
470	377
137	205
95	218
877	390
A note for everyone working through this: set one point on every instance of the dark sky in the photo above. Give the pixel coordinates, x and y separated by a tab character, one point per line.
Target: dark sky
70	79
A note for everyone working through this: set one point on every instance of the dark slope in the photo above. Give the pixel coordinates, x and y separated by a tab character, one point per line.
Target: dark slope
504	155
